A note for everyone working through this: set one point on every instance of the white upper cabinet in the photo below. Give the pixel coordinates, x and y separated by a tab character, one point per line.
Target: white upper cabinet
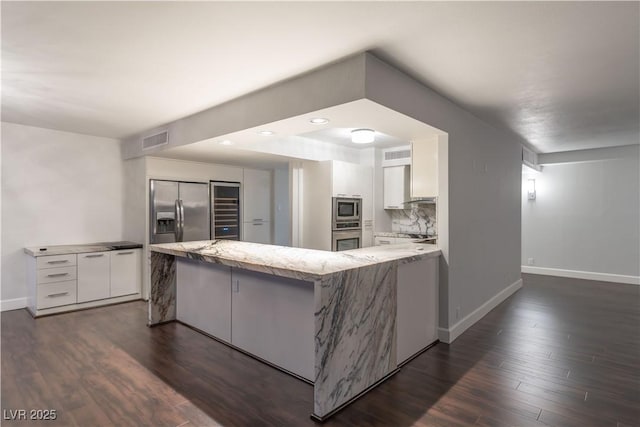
351	180
257	191
396	187
424	168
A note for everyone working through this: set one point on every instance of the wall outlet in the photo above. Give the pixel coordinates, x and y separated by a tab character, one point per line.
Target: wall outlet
531	261
458	313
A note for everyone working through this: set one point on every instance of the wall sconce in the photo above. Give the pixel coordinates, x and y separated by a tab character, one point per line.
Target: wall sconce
531	189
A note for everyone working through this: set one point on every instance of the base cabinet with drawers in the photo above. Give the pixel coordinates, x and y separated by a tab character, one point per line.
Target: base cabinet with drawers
69	282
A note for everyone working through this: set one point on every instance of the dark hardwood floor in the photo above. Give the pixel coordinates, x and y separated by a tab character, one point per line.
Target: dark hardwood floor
560	352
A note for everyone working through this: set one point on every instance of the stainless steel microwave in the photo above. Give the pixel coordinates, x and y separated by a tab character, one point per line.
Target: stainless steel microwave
346	209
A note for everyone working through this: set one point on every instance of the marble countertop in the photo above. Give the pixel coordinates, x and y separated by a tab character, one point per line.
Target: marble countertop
297	263
402	235
81	248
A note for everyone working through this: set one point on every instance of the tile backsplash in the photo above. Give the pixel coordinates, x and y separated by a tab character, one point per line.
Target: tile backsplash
420	219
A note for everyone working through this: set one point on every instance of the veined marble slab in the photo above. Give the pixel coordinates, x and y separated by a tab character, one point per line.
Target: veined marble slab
79	249
296	263
402	235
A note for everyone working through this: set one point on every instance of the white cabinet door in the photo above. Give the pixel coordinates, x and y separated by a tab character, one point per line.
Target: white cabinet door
125	272
396	187
204	297
257	232
272	318
257	195
93	276
342	178
424	168
417	318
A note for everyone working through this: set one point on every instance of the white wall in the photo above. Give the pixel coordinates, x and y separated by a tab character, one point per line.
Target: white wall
57	188
585	218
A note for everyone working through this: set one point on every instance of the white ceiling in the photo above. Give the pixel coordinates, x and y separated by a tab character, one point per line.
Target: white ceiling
295	138
562	75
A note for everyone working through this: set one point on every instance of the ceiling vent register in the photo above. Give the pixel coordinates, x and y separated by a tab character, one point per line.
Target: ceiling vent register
397	156
156	140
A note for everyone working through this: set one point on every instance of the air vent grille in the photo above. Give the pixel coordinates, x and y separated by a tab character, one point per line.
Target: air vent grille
156	140
395	155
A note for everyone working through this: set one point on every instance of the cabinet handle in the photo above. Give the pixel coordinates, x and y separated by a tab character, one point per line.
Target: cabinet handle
236	288
257	219
385	242
94	256
124	253
62	261
257	223
60	294
342	195
57	275
357	195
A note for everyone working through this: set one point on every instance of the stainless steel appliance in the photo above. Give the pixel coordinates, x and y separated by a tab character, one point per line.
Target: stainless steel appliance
346	210
225	210
346	229
179	211
346	240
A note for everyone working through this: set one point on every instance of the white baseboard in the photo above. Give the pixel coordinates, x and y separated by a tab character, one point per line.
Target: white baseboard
13	304
576	274
449	335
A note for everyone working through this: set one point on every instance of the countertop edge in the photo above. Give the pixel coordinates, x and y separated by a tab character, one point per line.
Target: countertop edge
35	252
292	273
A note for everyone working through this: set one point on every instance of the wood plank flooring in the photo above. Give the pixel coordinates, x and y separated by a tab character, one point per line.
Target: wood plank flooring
560	352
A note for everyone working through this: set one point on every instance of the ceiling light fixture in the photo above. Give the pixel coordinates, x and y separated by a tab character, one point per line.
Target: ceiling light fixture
266	132
319	121
363	136
225	142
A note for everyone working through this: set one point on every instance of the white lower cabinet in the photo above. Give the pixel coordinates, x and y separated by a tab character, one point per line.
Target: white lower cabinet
93	276
204	297
257	232
125	272
273	319
56	294
59	283
417	321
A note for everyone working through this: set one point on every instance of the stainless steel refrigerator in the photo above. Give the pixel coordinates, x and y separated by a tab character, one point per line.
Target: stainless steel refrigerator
179	211
225	210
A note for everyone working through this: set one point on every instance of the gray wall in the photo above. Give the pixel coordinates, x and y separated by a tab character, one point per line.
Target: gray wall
586	217
484	192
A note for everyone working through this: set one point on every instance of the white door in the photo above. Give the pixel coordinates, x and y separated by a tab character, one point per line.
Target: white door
273	318
417	318
93	276
395	189
257	195
257	232
125	272
204	297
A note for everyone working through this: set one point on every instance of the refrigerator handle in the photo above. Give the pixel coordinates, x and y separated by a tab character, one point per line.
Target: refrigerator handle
181	220
176	230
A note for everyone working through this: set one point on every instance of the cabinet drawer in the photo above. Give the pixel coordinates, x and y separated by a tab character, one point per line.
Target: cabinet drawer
56	294
56	261
59	274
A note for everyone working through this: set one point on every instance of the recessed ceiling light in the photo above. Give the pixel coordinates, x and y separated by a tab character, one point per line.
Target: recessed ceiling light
266	132
319	121
225	142
363	136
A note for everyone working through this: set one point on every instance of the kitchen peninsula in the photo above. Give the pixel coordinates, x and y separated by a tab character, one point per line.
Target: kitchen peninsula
343	321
